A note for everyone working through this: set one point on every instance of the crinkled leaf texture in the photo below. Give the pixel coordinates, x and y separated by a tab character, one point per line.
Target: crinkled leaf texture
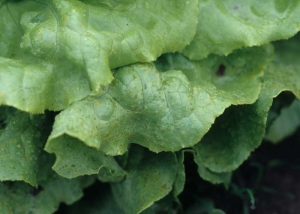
228	25
59	51
229	142
163	111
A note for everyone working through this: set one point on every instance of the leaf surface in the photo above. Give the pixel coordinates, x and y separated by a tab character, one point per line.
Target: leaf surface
21	148
60	51
230	141
163	111
74	159
208	175
228	25
285	124
150	178
180	177
19	198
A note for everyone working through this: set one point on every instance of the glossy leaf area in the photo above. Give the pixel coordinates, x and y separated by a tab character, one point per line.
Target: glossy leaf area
163	111
56	52
232	24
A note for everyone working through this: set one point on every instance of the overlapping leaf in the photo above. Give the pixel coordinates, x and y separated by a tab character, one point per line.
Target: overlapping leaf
21	148
34	83
18	197
163	111
68	47
285	124
211	176
74	159
58	55
180	177
230	141
150	178
228	25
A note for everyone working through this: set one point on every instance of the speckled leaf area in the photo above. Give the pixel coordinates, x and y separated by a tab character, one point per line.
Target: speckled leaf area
162	111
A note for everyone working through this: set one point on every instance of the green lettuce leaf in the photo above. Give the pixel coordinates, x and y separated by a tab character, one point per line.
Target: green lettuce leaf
230	141
101	200
150	178
34	83
285	124
74	159
21	148
59	51
180	177
19	198
228	25
163	111
208	175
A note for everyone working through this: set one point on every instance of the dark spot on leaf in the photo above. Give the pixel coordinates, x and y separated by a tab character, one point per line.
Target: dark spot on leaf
221	70
236	7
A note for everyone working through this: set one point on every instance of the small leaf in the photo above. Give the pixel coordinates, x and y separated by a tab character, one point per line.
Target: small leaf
150	178
74	159
208	175
285	124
